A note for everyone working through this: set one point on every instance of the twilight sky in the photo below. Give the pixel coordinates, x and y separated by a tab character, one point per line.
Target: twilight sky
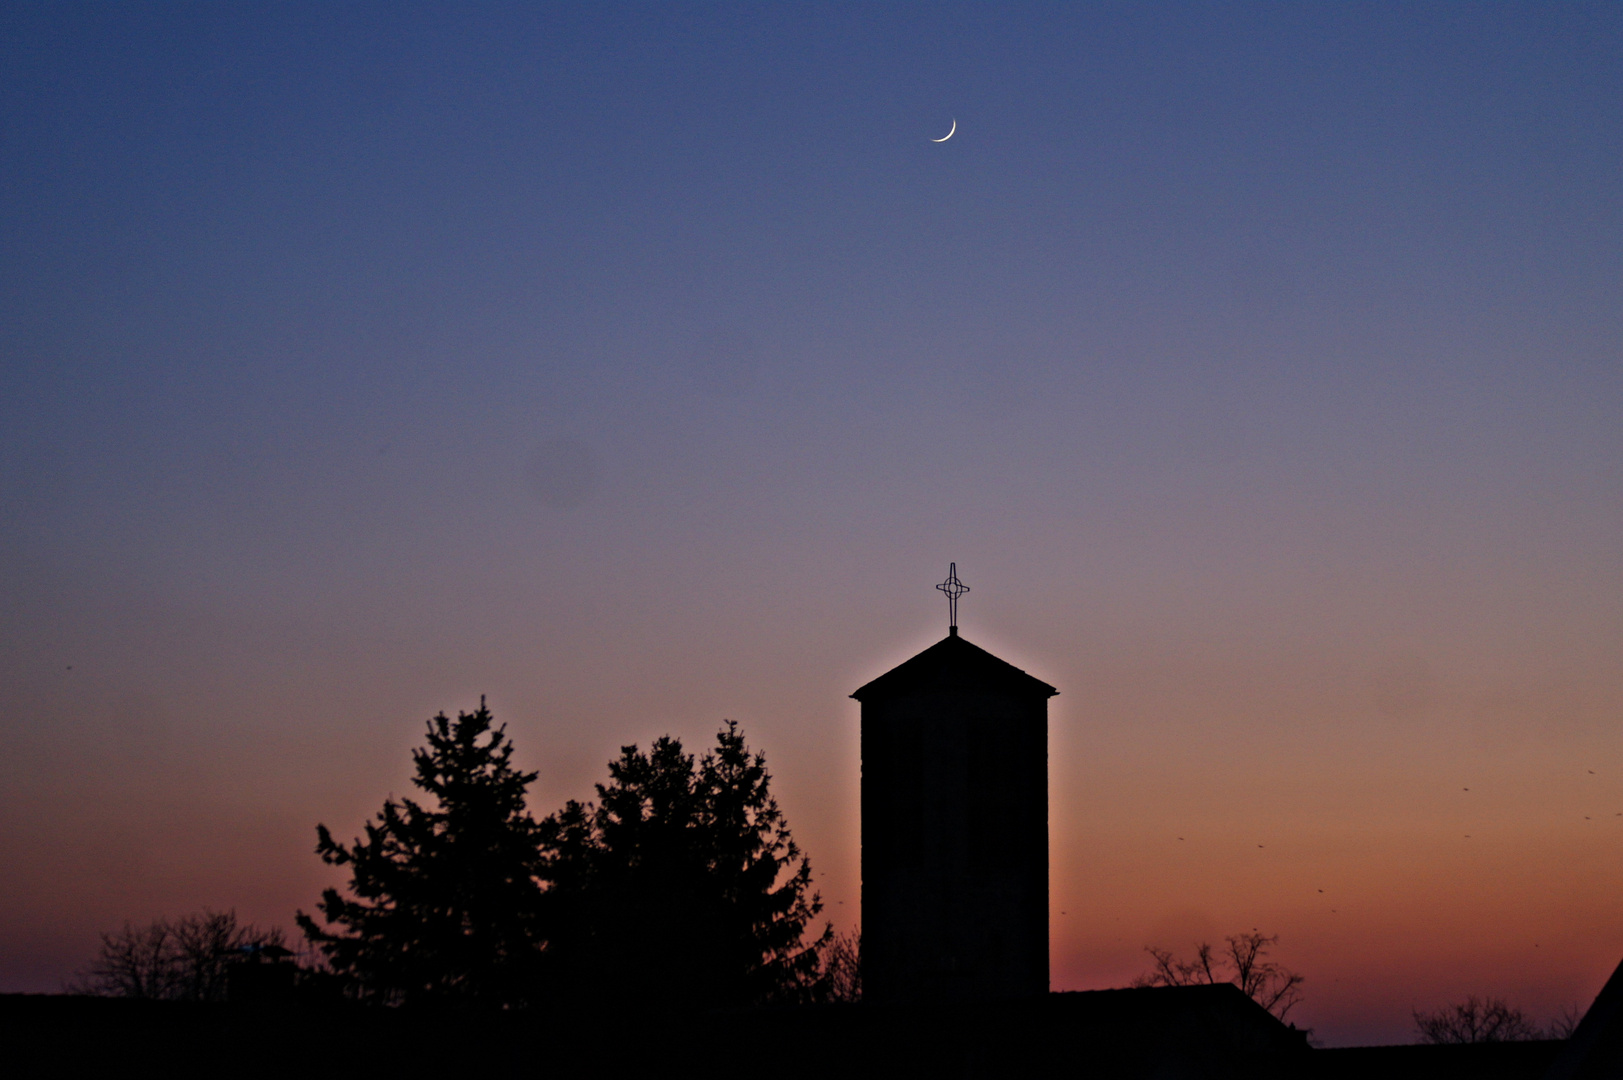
644	366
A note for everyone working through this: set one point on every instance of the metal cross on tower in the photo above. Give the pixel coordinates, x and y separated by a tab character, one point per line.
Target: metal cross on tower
954	589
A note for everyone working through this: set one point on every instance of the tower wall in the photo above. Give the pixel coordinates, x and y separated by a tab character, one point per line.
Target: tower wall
955	836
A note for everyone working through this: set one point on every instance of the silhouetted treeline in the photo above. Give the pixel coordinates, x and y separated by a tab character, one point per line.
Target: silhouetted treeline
680	884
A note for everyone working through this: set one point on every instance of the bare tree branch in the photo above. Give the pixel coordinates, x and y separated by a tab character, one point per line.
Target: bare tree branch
183	960
1475	1020
1244	963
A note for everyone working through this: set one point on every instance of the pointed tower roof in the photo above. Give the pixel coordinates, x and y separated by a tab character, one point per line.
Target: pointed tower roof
954	663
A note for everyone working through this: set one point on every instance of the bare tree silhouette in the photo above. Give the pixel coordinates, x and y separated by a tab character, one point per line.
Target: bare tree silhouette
1564	1022
840	973
186	959
1485	1020
1244	963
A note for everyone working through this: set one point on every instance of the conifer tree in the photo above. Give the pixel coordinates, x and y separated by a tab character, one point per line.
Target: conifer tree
443	897
682	884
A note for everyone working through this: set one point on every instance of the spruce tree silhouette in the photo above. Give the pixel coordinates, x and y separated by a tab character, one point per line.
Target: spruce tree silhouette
443	899
682	885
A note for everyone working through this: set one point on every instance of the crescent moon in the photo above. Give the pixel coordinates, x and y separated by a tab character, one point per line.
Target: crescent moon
948	135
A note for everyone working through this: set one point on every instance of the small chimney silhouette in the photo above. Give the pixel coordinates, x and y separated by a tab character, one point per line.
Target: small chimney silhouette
954	828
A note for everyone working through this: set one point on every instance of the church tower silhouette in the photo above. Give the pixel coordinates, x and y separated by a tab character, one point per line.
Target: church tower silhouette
954	826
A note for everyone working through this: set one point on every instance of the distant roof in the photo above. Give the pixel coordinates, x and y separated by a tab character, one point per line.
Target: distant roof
1595	1049
954	662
